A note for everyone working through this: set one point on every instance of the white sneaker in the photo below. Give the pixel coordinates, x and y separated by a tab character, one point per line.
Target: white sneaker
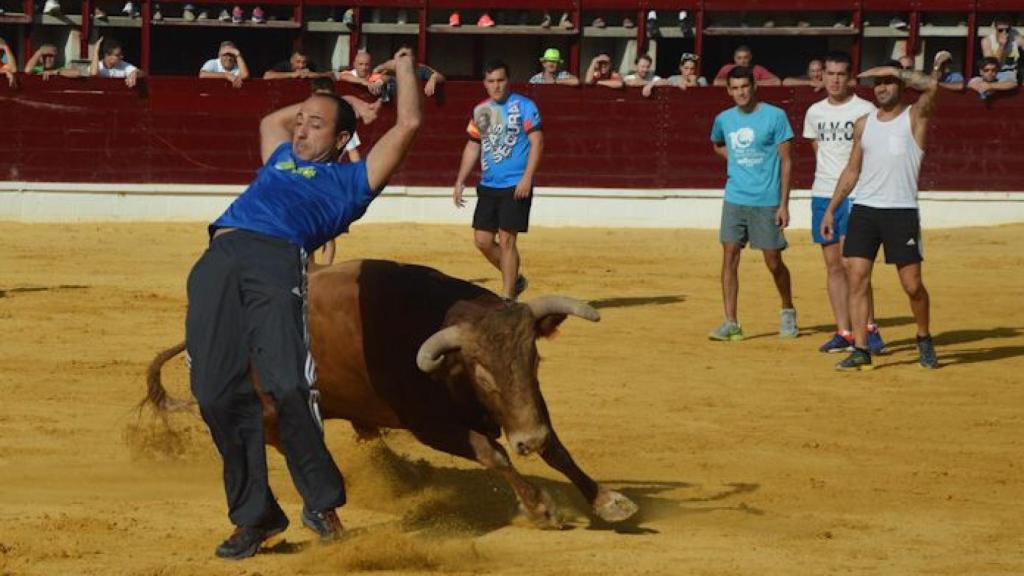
224	16
128	8
52	7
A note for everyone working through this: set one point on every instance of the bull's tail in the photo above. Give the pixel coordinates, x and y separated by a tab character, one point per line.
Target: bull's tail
156	394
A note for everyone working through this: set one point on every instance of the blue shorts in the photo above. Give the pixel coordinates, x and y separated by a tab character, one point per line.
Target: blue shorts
839	220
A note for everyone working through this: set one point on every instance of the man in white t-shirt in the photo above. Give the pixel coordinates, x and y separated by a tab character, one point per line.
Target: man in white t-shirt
113	64
829	125
229	65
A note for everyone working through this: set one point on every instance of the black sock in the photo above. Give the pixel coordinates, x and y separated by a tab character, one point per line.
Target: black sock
924	338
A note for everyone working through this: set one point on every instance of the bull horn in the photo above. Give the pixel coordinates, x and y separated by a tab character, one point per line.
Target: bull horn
432	351
545	305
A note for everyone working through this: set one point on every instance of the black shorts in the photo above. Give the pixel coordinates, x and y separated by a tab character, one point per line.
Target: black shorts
497	208
898	229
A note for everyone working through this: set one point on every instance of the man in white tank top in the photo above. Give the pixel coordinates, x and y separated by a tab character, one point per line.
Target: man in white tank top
883	170
829	125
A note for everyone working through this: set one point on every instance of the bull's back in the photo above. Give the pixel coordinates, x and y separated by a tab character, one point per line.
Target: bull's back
368	319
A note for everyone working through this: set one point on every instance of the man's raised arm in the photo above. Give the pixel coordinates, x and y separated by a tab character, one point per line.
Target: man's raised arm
387	154
276	128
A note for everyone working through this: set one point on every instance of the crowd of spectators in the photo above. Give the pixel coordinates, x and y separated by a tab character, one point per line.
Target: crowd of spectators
998	70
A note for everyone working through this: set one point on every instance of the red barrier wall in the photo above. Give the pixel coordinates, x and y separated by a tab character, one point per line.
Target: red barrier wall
185	130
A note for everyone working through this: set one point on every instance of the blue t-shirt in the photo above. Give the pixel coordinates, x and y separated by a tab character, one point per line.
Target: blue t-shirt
502	130
307	203
754	170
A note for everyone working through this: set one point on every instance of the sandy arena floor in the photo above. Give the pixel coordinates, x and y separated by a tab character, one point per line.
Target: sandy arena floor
750	458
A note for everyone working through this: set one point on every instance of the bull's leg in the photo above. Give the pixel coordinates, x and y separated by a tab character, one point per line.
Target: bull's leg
535	502
609	505
466	443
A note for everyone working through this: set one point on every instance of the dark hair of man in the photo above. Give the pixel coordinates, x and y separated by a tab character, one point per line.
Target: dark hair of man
894	63
839	58
738	73
344	117
1001	19
989	61
322	85
110	45
300	52
495	65
743	48
644	57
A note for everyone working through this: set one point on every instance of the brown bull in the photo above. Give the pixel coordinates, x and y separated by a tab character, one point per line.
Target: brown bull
405	346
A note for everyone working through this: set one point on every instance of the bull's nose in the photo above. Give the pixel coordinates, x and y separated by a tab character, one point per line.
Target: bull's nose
522	448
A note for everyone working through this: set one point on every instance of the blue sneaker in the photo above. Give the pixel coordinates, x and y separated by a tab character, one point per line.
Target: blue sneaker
857	360
926	350
838	343
875	343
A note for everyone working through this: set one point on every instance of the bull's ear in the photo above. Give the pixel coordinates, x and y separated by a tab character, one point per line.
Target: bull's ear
547	327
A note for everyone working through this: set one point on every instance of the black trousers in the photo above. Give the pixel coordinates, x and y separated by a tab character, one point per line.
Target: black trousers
247	310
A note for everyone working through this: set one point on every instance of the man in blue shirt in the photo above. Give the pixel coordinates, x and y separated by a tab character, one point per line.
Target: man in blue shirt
754	138
505	134
246	321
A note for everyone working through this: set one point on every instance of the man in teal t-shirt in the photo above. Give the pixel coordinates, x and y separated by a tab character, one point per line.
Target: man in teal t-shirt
754	138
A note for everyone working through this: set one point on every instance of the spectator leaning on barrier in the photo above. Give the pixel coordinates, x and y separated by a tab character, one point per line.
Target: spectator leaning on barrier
643	74
297	65
550	73
8	65
44	63
229	65
430	77
1004	43
361	73
600	72
688	77
987	83
813	78
743	56
113	64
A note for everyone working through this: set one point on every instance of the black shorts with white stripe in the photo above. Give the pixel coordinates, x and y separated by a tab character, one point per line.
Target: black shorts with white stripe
898	230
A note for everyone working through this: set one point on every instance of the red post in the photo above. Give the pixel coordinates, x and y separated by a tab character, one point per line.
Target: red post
913	37
145	37
972	41
858	40
86	30
575	40
421	42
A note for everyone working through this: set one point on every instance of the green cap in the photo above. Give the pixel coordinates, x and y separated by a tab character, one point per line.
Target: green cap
551	55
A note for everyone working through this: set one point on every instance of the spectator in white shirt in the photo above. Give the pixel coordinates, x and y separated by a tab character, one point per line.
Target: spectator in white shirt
113	64
361	73
229	65
688	77
644	72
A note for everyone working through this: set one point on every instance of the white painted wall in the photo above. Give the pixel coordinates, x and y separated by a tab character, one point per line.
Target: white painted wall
600	207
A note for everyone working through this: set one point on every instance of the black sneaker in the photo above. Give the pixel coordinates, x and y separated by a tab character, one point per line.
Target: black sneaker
926	349
859	359
246	540
326	524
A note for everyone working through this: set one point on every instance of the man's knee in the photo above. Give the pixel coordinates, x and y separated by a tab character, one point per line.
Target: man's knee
507	240
483	242
773	260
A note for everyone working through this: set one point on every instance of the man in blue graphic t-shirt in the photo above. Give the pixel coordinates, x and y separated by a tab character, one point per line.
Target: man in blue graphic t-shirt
247	305
505	134
754	138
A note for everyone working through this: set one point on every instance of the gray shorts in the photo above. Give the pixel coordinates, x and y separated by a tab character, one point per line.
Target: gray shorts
755	224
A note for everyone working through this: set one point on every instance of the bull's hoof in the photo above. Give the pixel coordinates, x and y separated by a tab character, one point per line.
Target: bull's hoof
544	514
612	506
